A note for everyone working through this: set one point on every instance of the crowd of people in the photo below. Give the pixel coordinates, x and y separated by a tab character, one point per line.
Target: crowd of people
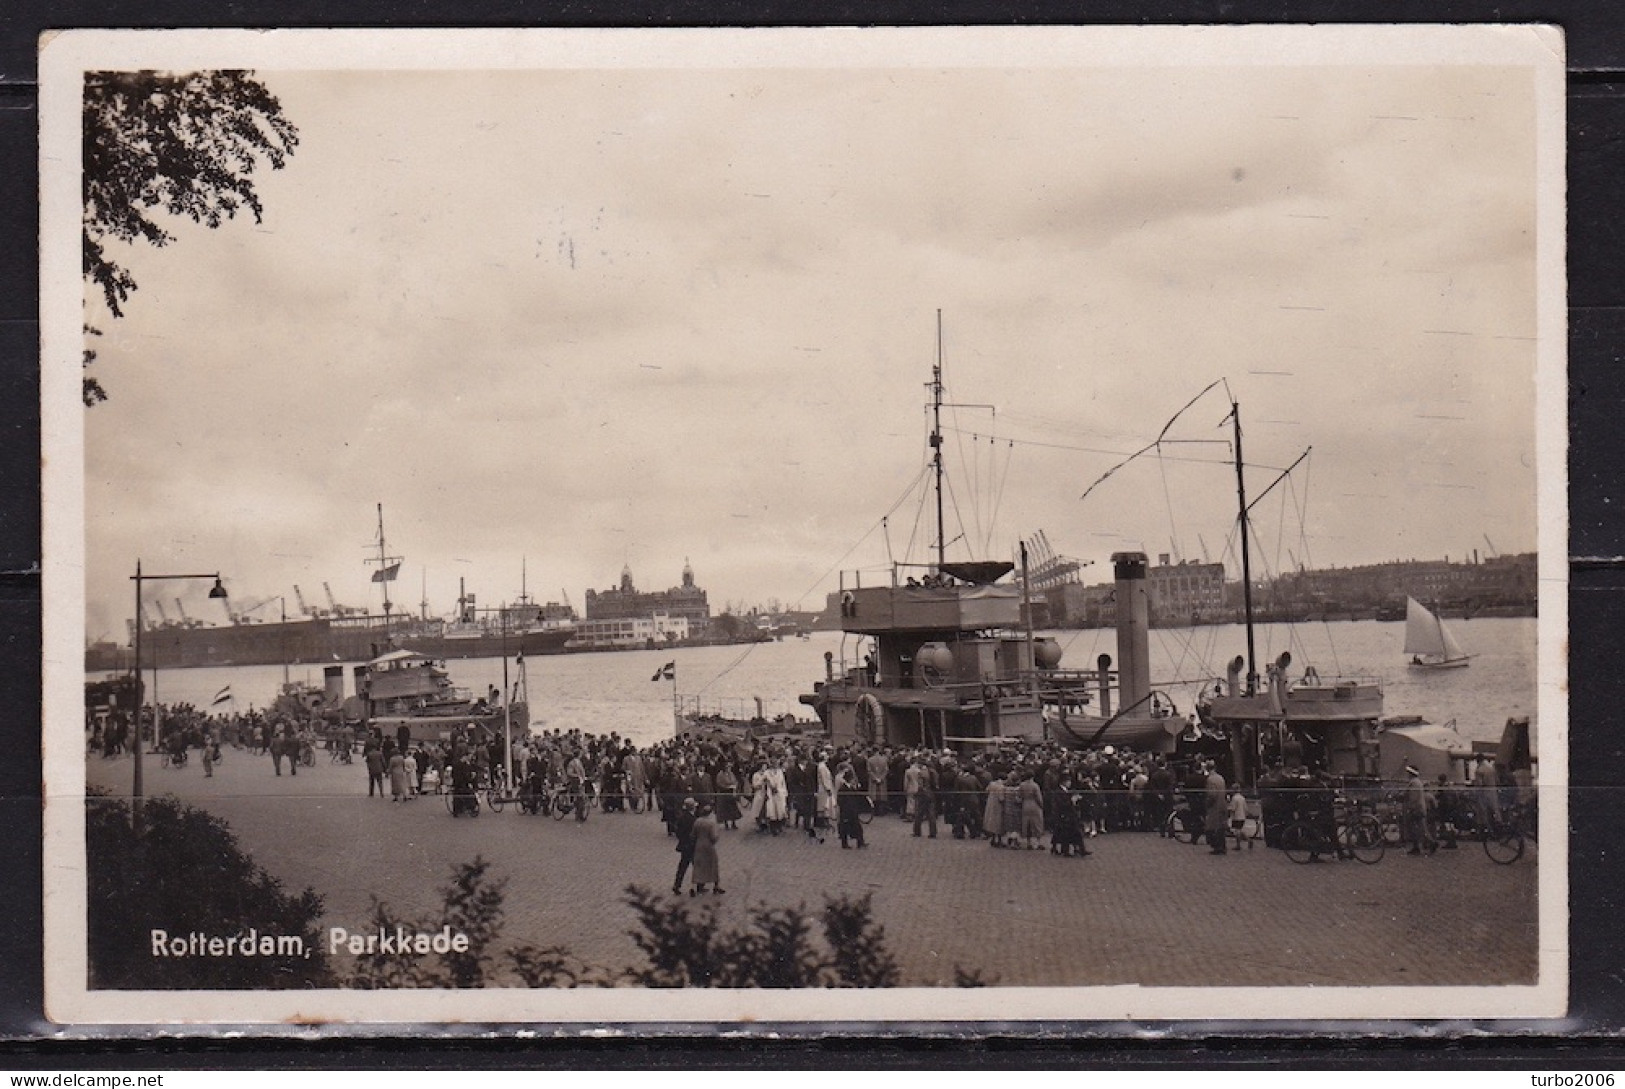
1013	795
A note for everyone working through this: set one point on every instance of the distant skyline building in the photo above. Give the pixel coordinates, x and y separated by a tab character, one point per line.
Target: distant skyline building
1189	592
1186	591
686	602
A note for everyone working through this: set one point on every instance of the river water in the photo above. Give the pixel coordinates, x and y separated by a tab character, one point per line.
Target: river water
607	691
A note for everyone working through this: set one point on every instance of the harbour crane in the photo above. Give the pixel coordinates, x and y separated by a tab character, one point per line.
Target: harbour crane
1051	569
1492	553
253	606
338	610
300	598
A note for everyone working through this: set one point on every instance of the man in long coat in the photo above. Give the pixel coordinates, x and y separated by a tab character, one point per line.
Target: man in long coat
879	766
375	770
1216	814
632	768
925	796
684	826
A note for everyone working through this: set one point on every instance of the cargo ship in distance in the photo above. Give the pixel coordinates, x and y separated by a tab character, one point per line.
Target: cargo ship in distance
324	639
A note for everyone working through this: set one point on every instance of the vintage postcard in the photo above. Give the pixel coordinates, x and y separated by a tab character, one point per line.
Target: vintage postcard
901	527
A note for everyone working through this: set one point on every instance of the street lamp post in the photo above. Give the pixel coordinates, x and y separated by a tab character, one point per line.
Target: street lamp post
217	591
507	693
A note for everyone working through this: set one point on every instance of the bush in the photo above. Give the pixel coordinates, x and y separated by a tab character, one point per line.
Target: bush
184	873
689	949
683	947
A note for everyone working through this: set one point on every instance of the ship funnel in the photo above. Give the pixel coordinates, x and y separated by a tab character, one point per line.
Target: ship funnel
1133	632
1103	665
333	684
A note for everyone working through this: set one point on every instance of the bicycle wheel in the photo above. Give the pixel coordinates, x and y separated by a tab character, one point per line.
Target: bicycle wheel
867	815
1504	845
494	799
1364	839
560	805
1299	841
1169	827
1187	828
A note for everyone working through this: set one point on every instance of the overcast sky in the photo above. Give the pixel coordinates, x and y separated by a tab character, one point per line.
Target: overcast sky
594	318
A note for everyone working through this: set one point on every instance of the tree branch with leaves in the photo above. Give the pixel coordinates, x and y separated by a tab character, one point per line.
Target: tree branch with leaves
178	144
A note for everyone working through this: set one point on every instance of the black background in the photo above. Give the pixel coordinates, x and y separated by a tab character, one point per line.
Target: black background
1596	241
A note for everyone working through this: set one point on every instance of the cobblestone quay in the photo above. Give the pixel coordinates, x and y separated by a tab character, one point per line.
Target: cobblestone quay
1142	910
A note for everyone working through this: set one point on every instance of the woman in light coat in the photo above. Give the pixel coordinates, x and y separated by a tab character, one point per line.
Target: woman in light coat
1010	822
707	869
993	812
826	792
397	778
774	797
1032	811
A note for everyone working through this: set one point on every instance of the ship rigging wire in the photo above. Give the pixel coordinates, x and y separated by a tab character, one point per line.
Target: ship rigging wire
901	499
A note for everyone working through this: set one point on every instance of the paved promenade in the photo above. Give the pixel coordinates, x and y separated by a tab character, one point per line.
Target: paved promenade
1142	910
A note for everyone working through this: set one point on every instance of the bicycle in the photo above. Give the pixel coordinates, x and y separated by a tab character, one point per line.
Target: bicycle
533	797
1504	839
1359	838
175	759
307	755
1183	825
458	804
563	800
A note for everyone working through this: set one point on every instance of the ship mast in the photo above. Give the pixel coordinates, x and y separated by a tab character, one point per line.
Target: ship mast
936	436
1246	556
937	405
388	567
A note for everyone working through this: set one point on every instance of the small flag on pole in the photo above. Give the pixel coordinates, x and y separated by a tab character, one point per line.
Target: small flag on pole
387	574
666	672
222	696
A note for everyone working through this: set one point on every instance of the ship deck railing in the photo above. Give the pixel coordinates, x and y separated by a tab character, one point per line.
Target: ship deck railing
1333	680
735	708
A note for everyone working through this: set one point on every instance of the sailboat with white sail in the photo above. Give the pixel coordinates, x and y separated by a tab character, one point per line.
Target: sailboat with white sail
1428	643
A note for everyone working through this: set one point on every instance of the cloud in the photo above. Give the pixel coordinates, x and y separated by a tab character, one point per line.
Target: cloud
596	318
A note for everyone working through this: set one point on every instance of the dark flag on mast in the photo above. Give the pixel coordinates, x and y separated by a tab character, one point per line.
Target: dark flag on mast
387	574
667	672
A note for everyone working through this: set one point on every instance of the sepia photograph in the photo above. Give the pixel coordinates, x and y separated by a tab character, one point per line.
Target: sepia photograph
913	526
